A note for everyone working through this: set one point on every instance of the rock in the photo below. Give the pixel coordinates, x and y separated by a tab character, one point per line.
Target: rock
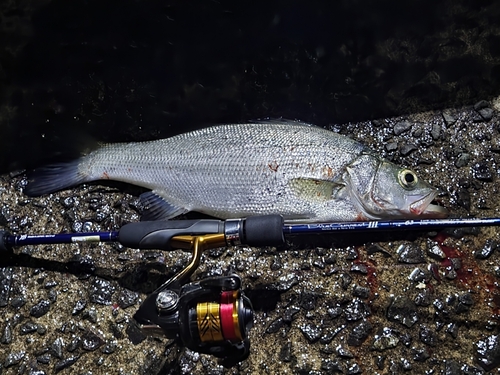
448	118
101	291
407	148
385	338
359	333
79	306
311	332
90	341
127	298
488	352
361	292
410	253
428	336
462	160
391	146
482	172
5	282
480	105
488	249
14	358
436	131
403	310
275	326
401	127
65	363
356	310
486	113
40	309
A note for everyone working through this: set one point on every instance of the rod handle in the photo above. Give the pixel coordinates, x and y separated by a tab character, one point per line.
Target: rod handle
264	231
157	234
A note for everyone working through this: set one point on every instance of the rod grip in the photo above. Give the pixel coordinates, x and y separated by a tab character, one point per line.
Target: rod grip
264	230
157	234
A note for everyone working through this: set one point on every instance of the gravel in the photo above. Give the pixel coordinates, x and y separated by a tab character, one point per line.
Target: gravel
395	303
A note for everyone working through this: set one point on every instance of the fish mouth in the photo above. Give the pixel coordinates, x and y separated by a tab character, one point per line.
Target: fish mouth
428	207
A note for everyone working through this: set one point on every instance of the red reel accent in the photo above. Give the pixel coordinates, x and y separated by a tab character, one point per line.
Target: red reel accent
229	321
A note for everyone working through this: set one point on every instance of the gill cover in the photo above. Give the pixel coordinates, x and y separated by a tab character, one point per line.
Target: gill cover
381	189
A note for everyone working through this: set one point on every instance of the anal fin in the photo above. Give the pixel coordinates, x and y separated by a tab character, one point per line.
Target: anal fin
157	208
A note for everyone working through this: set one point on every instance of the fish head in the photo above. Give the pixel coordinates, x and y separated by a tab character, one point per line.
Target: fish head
383	190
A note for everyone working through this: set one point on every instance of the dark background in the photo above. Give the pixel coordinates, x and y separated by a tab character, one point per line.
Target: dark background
73	73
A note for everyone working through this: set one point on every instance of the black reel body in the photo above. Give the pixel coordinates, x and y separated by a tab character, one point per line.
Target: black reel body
211	316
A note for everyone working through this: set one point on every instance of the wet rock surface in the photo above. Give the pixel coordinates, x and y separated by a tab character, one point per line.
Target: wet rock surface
426	303
348	306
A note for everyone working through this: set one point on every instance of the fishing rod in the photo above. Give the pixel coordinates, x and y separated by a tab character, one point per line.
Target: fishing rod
267	230
213	315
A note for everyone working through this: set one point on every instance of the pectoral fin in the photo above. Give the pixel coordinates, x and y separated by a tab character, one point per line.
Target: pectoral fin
157	208
314	190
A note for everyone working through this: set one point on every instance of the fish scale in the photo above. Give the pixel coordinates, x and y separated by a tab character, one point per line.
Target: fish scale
227	171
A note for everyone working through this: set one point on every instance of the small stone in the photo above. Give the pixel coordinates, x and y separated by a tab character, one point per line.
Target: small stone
436	131
488	249
482	172
311	332
275	326
343	352
90	341
40	309
334	312
5	283
330	366
56	349
6	335
65	363
361	292
356	310
452	329
391	146
289	313
403	310
410	253
480	105
427	336
18	302
14	358
79	306
418	275
448	118
308	300
423	298
486	114
345	280
101	291
285	354
360	268
385	338
407	148
329	333
462	160
28	327
359	333
109	348
127	298
401	127
420	354
73	345
488	352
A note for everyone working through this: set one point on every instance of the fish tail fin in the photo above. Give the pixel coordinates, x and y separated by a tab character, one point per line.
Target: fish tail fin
54	177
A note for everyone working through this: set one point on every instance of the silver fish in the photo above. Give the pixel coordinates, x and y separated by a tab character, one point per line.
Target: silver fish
303	172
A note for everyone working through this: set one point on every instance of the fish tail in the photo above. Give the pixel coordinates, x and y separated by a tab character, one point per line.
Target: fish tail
54	177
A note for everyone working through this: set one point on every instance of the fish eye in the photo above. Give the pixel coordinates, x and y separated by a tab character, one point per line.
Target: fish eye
407	178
